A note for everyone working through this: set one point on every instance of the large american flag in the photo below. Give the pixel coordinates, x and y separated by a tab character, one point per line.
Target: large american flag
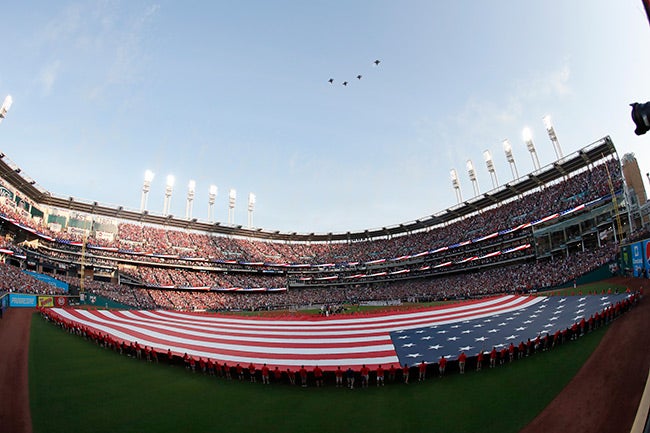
380	339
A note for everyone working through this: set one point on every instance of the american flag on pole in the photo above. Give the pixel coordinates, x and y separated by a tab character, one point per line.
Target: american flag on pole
381	339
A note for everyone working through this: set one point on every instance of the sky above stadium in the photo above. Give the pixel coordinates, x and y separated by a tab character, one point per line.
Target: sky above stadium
236	94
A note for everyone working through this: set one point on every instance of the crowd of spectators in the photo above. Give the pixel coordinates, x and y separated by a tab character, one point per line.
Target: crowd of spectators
579	188
153	273
519	278
14	280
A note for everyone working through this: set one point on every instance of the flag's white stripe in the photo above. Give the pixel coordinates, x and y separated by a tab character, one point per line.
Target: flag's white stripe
255	335
335	321
256	358
106	327
255	328
262	334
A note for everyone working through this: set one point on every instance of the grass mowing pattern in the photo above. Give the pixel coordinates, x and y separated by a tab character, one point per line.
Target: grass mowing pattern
78	386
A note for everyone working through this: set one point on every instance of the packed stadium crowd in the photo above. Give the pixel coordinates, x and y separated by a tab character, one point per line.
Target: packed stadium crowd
517	278
580	188
14	280
175	275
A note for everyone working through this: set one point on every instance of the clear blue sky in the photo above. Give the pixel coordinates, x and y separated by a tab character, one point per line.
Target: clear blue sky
236	94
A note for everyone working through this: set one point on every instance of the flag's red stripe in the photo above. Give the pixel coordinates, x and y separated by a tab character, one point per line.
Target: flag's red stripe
280	342
96	322
386	325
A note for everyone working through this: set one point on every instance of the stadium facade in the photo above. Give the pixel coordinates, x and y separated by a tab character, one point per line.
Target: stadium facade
572	213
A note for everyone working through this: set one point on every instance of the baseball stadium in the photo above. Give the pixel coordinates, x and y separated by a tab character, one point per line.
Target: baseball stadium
378	288
518	310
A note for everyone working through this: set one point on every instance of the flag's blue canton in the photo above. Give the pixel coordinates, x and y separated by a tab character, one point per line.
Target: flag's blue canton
471	336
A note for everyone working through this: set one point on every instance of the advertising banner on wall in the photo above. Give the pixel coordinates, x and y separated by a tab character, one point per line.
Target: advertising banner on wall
637	259
646	255
46	301
20	300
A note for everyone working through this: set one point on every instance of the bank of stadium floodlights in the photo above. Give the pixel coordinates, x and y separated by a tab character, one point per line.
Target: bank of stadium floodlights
191	193
507	148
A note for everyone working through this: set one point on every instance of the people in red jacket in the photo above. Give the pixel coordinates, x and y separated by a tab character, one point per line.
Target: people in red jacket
442	364
265	374
493	357
422	368
303	376
462	358
318	376
339	377
365	376
380	376
251	371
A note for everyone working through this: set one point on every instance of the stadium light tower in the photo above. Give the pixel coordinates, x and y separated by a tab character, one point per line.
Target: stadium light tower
490	166
6	105
528	138
456	185
191	190
146	187
251	208
507	148
169	187
212	196
232	197
472	177
551	134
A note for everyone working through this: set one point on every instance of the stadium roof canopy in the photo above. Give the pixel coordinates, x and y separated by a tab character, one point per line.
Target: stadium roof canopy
563	167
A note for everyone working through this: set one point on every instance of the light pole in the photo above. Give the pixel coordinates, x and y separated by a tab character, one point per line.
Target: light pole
6	105
146	187
553	136
251	208
212	196
456	185
528	138
507	148
191	189
472	177
169	187
490	166
232	197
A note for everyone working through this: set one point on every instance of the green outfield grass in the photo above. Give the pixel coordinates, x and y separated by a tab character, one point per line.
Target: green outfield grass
76	386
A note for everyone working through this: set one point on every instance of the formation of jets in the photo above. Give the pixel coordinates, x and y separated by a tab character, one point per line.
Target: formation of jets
345	83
